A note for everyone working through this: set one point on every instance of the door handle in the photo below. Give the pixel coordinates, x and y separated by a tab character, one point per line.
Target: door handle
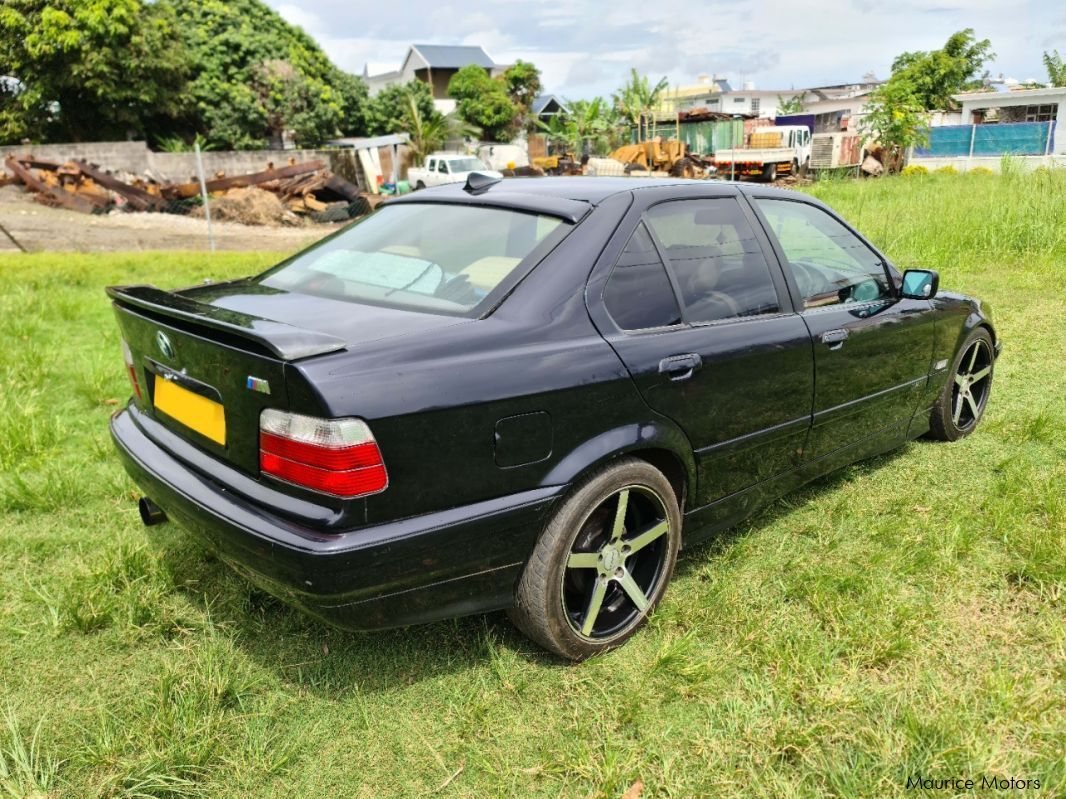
680	367
835	338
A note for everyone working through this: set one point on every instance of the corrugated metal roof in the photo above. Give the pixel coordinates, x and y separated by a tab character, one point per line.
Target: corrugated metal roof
369	142
453	56
542	100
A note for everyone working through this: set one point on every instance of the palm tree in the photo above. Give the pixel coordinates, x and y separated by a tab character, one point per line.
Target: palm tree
557	130
428	134
588	122
637	99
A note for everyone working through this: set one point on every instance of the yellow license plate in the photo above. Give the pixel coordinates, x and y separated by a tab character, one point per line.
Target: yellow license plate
198	413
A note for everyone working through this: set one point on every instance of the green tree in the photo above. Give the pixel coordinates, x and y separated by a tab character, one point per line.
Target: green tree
896	118
483	101
522	82
255	76
638	99
583	131
934	76
1056	68
793	105
90	69
387	112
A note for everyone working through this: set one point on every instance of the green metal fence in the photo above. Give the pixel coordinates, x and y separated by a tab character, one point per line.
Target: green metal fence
704	138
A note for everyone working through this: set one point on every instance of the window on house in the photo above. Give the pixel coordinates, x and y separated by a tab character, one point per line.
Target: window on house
754	105
1040	113
739	100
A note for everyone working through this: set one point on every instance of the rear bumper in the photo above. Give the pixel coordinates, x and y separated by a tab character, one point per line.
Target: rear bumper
450	563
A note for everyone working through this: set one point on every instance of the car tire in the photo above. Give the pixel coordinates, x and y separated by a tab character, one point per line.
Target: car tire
592	561
419	186
769	173
961	405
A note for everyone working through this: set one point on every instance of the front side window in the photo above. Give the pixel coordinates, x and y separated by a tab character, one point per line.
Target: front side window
829	263
442	166
421	256
638	294
718	265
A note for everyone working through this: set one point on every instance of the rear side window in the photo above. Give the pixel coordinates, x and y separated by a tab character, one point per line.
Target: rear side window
638	294
720	269
422	256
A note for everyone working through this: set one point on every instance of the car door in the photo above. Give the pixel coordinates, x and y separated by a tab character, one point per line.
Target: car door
872	349
688	295
443	172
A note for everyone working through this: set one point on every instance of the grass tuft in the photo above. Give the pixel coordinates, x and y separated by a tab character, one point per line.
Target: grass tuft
26	772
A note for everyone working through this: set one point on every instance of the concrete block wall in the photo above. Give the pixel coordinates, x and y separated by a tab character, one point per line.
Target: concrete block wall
128	156
181	167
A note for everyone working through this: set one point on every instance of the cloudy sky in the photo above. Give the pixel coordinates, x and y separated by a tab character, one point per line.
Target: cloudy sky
586	48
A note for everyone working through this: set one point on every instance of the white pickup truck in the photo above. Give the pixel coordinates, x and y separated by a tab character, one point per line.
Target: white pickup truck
444	168
770	152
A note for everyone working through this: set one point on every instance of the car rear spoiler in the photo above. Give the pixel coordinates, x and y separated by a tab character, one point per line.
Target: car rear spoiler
285	341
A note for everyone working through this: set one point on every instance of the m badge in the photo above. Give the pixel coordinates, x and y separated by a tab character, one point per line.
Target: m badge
162	341
258	384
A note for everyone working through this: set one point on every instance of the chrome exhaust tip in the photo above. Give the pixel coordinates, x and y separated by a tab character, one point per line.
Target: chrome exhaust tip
150	512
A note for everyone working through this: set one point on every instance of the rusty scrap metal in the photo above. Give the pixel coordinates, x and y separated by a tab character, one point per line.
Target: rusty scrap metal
186	190
49	195
307	188
137	198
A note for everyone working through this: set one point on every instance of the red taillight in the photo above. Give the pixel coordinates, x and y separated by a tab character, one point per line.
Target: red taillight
334	456
131	370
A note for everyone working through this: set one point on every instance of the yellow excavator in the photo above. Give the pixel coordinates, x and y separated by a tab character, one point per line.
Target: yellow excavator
659	155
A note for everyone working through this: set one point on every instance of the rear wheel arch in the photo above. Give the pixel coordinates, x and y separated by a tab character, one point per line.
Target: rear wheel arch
661	444
672	468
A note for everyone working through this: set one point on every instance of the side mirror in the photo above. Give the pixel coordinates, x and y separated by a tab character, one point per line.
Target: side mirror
920	284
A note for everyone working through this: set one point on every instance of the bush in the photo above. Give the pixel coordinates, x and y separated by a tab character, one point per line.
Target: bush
914	169
980	170
946	170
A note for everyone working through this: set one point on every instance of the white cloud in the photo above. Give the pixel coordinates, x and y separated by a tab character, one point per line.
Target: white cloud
305	19
587	48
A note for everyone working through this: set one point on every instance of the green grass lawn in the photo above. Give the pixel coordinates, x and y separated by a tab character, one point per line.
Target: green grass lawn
906	616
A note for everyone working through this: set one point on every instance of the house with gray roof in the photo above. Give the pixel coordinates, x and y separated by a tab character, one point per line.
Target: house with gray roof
434	64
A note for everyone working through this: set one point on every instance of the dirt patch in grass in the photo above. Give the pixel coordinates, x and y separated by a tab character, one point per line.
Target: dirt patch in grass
39	228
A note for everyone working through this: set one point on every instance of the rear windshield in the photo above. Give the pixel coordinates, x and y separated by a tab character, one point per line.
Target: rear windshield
427	257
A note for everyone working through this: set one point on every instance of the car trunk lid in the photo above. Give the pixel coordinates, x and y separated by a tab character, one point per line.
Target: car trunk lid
207	366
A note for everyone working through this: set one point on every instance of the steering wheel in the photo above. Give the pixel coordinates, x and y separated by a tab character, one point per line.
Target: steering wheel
810	281
713	302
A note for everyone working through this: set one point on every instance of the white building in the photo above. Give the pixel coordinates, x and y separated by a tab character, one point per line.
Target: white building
845	102
434	64
1018	105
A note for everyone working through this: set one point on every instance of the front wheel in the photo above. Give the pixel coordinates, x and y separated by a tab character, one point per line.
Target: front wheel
603	562
962	402
419	186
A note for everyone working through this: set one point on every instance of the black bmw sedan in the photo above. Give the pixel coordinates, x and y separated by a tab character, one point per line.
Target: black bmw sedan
530	393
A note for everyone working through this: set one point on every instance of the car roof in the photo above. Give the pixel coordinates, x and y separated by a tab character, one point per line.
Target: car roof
570	197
